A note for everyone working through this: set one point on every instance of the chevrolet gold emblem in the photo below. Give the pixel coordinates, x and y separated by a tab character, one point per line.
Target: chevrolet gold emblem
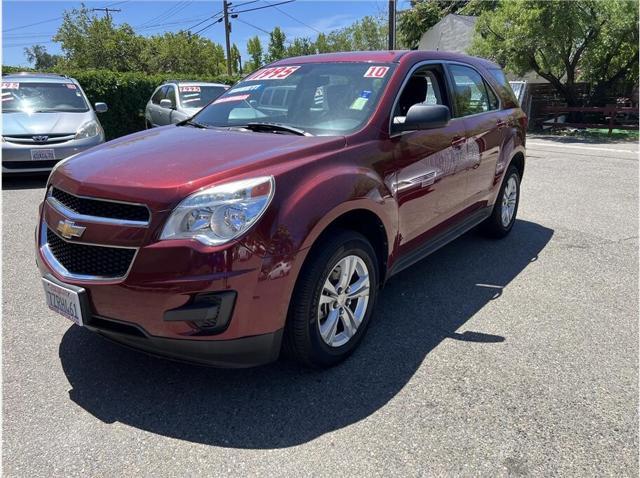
68	229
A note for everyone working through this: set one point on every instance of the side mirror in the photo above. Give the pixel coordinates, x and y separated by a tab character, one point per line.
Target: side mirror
101	107
166	103
421	116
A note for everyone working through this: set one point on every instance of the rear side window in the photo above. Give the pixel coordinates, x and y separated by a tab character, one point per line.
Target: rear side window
471	93
171	95
158	95
500	77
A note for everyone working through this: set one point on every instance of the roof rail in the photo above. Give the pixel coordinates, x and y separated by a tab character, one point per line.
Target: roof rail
33	73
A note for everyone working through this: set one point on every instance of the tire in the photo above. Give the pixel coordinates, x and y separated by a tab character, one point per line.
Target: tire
147	125
495	226
313	308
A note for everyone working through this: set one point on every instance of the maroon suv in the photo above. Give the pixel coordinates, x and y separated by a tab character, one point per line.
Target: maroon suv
271	219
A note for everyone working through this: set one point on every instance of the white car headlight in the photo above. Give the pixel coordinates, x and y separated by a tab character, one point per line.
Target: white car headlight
88	130
221	213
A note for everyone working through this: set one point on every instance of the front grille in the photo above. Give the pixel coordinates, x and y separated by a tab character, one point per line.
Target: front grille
83	259
101	208
29	138
29	164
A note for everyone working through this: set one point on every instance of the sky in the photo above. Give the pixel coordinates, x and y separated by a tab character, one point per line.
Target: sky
25	23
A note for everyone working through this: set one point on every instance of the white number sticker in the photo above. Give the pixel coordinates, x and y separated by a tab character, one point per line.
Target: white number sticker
376	72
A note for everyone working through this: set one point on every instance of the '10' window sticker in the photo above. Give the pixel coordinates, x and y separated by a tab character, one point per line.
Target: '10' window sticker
376	72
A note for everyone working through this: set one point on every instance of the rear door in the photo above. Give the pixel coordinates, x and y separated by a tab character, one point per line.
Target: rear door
155	110
165	114
478	106
430	190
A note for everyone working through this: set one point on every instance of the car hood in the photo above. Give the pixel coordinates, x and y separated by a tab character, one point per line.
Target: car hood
43	123
161	166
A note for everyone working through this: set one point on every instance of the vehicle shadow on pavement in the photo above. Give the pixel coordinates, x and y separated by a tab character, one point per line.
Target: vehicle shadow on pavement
283	405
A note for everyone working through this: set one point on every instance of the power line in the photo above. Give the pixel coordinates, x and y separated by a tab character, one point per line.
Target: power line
260	8
293	18
173	10
205	20
253	26
33	24
207	27
288	42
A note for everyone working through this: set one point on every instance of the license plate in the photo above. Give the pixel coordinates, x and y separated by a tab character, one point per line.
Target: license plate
64	301
43	154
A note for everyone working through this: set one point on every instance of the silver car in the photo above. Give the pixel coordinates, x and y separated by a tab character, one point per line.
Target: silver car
45	118
175	101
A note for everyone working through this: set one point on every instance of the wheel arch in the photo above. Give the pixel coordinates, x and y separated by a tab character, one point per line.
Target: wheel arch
367	223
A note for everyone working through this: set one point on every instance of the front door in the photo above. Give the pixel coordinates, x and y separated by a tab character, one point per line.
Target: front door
429	186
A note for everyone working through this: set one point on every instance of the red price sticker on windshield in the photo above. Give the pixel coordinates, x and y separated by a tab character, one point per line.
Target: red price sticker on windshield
275	73
376	72
229	99
190	89
10	86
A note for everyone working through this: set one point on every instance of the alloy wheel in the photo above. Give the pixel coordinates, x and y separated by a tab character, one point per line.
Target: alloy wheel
343	301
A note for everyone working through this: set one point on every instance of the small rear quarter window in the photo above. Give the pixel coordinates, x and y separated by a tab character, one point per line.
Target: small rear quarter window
500	77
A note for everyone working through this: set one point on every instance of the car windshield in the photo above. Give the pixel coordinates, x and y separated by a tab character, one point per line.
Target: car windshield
197	96
317	98
34	97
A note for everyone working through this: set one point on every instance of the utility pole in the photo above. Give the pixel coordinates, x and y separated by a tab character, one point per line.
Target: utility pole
227	31
392	25
106	11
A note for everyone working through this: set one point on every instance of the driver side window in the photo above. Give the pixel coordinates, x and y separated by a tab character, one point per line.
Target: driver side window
426	86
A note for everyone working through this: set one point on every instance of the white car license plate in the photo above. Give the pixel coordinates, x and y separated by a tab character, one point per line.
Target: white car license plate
43	154
64	301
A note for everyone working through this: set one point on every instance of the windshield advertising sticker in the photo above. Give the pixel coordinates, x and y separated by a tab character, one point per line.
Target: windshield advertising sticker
231	98
376	72
275	73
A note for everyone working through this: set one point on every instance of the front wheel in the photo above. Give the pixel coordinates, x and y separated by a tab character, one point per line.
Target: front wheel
333	300
505	209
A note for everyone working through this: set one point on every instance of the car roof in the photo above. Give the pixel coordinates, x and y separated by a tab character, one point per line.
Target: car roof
386	56
38	77
194	83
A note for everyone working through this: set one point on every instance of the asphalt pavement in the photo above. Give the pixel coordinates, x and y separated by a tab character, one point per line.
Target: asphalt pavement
516	357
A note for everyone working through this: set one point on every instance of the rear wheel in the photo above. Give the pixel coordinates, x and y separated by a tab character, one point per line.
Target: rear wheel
505	209
333	300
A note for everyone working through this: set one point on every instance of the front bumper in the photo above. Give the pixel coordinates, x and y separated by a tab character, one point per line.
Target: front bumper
157	308
233	353
16	157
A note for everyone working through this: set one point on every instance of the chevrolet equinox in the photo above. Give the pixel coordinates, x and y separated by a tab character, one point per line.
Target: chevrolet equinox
270	220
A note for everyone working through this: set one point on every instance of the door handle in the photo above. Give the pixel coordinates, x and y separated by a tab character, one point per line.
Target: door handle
458	141
501	124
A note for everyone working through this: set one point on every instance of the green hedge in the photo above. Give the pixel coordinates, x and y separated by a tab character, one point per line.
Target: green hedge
126	94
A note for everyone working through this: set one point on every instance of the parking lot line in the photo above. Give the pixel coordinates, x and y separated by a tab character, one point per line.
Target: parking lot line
589	148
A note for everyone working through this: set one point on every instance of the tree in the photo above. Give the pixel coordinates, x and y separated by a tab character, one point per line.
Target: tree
182	52
277	39
414	22
300	47
91	42
41	60
321	45
254	48
236	59
423	14
563	41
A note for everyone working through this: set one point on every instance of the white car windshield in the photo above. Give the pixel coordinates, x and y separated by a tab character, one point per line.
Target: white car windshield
36	97
316	98
197	96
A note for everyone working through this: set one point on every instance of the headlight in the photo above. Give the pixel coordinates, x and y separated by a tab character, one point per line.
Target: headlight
219	214
88	130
